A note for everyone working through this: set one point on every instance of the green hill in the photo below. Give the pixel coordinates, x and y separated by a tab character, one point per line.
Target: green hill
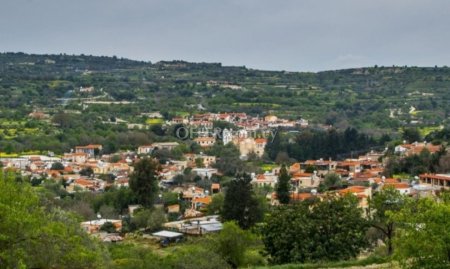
92	90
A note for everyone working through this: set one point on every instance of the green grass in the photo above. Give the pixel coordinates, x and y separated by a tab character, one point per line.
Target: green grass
17	154
371	260
268	167
402	176
424	131
8	155
182	113
154	121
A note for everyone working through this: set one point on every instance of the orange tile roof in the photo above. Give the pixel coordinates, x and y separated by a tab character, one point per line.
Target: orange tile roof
90	146
353	189
391	180
300	174
204	200
260	177
348	163
436	176
84	182
300	196
260	140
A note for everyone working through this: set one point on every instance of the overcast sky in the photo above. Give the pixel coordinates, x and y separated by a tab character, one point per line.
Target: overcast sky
274	35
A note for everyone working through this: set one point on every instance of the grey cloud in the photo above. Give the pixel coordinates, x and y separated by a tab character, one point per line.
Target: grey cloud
277	35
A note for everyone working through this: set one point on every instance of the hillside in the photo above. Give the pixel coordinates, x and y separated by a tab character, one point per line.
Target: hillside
81	99
367	98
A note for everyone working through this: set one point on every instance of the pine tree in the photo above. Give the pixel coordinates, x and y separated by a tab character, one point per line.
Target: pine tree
283	186
144	181
241	204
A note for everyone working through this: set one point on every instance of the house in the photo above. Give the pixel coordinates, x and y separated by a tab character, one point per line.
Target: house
305	180
294	197
435	180
206	160
416	148
260	145
148	149
173	208
205	141
167	237
179	120
322	166
93	226
90	150
352	166
215	188
200	203
364	194
191	193
401	187
205	172
266	179
79	157
122	182
196	226
248	145
294	168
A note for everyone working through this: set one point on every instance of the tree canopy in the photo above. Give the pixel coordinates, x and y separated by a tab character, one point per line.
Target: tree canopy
312	231
34	237
144	181
423	238
241	204
283	186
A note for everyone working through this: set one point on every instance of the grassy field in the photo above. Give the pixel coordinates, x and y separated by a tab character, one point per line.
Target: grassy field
154	121
268	167
15	155
371	262
424	131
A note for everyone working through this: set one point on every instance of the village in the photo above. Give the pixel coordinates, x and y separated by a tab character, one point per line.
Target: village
87	169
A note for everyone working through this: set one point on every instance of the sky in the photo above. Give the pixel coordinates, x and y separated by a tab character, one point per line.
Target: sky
291	35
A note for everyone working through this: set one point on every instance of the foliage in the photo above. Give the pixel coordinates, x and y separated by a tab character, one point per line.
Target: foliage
332	181
228	162
416	164
35	237
423	239
87	172
216	205
118	198
241	204
232	243
196	257
411	135
383	262
144	181
126	256
57	166
108	227
283	186
170	198
149	219
315	144
388	200
328	230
